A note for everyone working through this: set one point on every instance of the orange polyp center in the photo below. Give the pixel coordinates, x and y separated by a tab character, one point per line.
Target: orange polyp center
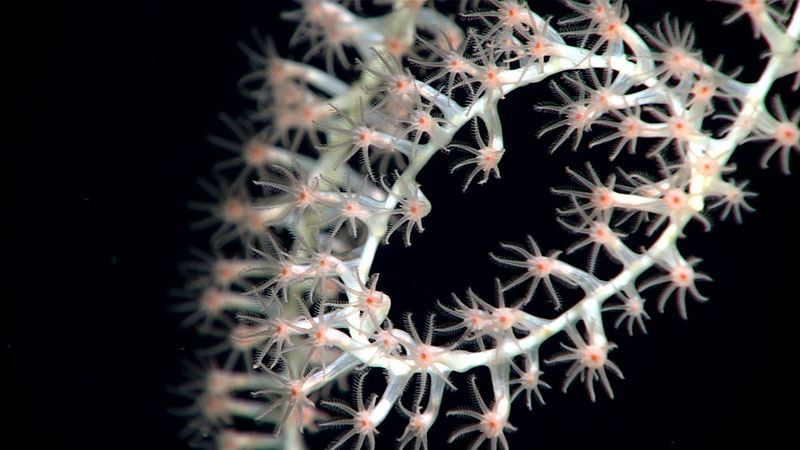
595	356
225	273
682	276
256	152
234	210
786	134
213	301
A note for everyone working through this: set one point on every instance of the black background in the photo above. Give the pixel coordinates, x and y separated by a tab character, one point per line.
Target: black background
110	107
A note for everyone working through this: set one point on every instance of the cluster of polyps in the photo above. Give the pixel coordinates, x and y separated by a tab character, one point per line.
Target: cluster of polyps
292	285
